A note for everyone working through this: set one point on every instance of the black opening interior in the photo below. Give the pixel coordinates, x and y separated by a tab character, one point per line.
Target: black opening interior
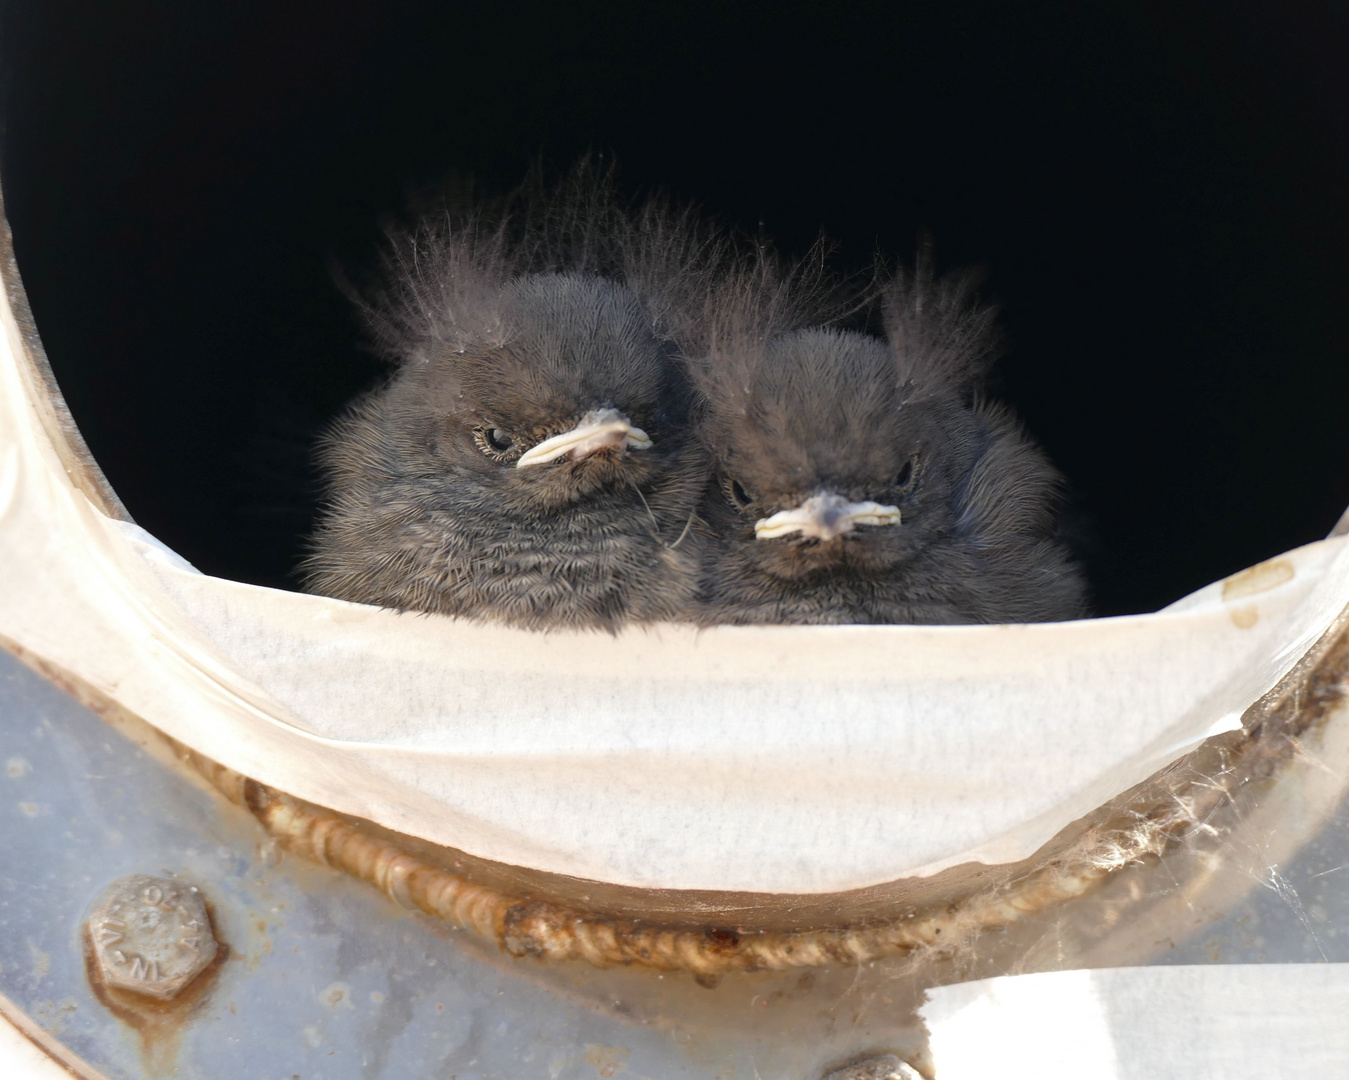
1159	193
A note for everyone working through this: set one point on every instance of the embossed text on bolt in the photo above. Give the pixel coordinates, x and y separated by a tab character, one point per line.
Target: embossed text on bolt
151	936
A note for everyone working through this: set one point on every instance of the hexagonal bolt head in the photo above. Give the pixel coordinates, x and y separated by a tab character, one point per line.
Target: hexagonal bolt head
151	936
886	1067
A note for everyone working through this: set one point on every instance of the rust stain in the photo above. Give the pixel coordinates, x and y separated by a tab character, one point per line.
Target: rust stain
258	942
1257	579
337	996
607	1060
160	1024
42	961
52	1015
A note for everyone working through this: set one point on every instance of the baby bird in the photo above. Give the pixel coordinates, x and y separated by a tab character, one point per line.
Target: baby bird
529	462
863	481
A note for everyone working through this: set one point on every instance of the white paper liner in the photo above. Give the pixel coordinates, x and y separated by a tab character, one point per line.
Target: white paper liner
775	759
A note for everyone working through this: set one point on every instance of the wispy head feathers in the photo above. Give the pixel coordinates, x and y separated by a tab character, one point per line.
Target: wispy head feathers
758	299
943	337
444	280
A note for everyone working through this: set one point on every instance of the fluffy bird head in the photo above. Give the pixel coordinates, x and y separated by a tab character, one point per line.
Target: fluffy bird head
863	480
529	460
567	393
826	459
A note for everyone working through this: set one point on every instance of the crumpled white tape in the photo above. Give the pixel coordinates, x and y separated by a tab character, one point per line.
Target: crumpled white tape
773	759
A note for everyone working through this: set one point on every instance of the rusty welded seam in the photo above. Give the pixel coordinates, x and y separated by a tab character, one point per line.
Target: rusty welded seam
1162	814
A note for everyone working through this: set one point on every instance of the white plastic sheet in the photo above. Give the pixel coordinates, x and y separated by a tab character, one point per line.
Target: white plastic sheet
1215	1022
780	760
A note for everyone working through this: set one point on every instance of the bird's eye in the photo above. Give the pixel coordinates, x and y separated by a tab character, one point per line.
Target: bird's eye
736	493
904	479
497	443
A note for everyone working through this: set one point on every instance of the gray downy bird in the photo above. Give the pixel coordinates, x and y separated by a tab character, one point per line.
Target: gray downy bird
529	462
864	481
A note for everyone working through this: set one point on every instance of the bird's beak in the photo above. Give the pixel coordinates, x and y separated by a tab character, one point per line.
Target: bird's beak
825	517
598	430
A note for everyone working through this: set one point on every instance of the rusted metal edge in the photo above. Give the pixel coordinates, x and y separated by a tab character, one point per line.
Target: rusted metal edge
61	1056
50	404
1142	825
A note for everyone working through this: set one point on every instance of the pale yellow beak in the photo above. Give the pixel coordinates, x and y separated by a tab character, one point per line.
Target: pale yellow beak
825	517
598	430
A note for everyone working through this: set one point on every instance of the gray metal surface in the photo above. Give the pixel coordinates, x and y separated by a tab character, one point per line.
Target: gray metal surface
322	978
